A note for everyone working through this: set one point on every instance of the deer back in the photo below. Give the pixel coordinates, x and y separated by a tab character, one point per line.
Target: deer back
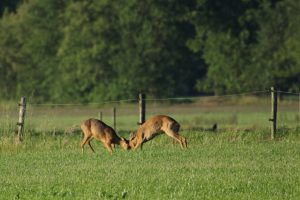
101	131
156	125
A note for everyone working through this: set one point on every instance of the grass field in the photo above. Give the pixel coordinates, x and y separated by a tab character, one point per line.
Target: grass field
226	165
239	161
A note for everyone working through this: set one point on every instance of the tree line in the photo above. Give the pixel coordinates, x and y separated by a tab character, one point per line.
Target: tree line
82	51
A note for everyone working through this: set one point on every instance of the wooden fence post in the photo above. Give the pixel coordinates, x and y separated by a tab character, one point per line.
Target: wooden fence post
273	112
299	107
114	117
100	116
142	108
20	123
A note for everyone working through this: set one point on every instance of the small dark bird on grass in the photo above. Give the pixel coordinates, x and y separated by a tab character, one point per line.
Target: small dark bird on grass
214	127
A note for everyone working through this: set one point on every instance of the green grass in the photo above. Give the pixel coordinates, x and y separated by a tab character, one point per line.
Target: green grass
241	112
239	161
223	165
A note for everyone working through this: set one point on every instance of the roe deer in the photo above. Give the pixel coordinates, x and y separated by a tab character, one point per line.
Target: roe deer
93	128
153	127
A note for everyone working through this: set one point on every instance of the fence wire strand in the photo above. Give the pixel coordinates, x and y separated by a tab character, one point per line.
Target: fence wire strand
157	99
285	92
210	96
82	104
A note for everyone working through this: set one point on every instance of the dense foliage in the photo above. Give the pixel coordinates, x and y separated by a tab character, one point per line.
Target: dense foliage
70	50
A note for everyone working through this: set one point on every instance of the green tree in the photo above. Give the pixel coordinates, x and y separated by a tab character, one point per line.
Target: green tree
81	51
153	56
90	37
278	41
226	34
30	41
248	45
9	56
115	50
8	5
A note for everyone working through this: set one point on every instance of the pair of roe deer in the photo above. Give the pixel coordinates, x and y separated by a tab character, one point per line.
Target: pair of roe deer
93	128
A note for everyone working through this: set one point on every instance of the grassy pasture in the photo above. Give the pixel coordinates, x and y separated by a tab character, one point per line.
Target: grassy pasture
228	165
228	113
237	162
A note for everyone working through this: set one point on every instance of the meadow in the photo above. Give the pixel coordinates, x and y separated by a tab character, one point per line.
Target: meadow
238	161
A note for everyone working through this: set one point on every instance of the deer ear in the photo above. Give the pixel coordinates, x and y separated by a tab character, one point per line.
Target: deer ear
122	139
132	135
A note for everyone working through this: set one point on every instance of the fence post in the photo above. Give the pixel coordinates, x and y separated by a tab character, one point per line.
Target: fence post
114	117
20	123
100	116
273	112
142	108
299	107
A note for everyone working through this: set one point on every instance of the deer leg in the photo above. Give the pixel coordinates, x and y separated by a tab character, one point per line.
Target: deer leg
139	143
184	142
89	143
141	146
177	137
112	146
85	139
108	147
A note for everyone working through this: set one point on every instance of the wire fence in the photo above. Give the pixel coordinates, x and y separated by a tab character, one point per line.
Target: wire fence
240	111
131	100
